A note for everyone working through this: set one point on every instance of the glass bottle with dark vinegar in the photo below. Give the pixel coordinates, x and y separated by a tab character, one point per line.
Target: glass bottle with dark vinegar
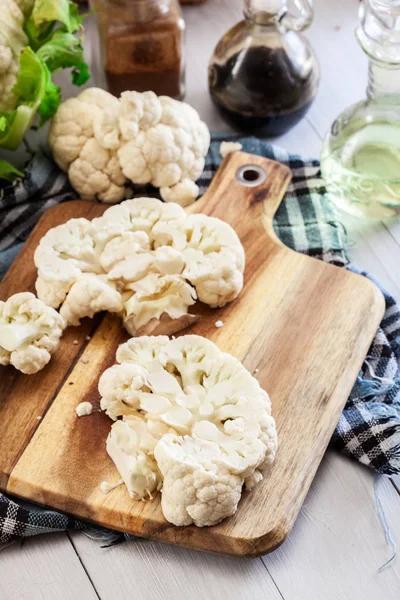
263	75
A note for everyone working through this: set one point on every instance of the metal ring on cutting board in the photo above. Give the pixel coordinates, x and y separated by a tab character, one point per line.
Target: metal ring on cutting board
251	175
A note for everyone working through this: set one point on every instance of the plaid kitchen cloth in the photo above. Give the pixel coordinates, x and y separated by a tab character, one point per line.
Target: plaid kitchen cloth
369	427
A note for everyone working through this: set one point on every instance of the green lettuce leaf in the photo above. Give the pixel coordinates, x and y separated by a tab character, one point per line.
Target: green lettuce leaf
51	40
65	50
44	18
8	172
65	11
35	92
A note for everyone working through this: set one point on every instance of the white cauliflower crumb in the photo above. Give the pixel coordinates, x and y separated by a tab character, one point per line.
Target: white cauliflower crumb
75	342
39	418
88	338
103	143
190	420
30	332
108	487
219	324
84	409
144	260
226	148
85	360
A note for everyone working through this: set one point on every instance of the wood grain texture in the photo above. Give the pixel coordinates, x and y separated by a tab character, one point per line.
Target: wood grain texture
23	399
161	571
338	544
44	569
306	327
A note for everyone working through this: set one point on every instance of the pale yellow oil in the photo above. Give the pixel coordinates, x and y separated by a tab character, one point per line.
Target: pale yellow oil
361	167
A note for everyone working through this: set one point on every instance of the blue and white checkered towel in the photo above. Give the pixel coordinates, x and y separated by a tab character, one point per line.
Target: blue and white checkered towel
369	427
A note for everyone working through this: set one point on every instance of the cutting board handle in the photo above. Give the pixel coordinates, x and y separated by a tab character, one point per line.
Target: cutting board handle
258	184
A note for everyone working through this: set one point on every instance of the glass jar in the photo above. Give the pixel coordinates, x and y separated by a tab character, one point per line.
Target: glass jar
360	158
142	45
263	75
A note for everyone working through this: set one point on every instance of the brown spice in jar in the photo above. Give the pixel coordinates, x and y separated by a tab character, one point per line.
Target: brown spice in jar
143	46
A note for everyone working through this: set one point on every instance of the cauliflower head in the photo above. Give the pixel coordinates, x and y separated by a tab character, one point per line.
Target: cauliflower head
104	142
189	420
30	332
12	42
143	259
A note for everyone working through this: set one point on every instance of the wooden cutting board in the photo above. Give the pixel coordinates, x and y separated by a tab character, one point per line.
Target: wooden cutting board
301	325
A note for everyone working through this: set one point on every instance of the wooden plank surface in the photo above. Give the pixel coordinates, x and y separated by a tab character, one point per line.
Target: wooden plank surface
36	391
303	324
45	568
159	571
343	70
338	545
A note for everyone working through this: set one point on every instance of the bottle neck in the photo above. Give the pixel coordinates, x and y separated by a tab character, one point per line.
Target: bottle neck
142	10
383	83
296	16
264	12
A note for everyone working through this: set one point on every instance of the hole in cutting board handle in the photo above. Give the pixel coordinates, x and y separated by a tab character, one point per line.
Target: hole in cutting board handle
251	175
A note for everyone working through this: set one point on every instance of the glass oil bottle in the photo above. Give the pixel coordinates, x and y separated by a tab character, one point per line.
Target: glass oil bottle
360	159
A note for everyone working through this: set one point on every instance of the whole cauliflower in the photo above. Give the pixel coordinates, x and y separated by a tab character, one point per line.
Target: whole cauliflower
102	142
189	419
30	332
144	260
12	42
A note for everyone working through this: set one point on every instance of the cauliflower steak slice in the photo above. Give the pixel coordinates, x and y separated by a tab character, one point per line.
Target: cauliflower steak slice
30	332
189	419
143	259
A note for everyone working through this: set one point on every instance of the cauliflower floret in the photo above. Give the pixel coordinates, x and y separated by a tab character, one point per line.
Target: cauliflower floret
138	469
8	76
138	112
199	416
30	332
73	125
147	139
12	42
197	488
119	387
184	193
141	351
214	260
123	248
226	148
163	223
63	254
157	295
96	174
89	295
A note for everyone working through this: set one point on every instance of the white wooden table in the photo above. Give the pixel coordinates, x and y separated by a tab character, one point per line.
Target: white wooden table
337	544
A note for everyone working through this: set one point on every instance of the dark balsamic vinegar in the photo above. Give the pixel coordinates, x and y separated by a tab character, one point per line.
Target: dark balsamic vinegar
261	90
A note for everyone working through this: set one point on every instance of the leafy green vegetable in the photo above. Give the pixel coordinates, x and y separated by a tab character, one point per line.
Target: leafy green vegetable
49	40
65	11
65	50
51	98
44	17
35	92
8	172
